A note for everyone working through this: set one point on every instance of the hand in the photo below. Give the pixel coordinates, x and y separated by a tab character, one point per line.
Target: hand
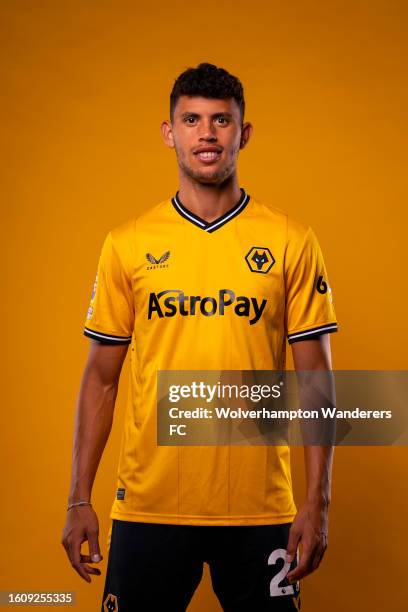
81	525
310	527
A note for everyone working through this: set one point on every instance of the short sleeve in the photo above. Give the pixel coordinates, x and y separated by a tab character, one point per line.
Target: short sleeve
110	316
309	301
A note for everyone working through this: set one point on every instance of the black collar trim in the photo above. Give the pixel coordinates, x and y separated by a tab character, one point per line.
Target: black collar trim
211	226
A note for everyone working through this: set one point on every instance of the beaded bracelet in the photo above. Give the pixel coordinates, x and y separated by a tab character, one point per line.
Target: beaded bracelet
81	503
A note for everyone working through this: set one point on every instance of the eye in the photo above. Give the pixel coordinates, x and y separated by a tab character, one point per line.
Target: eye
190	119
222	120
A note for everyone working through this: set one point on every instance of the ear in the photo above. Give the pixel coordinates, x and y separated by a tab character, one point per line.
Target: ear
246	132
167	133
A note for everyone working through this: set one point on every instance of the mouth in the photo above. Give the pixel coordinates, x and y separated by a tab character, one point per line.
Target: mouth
208	155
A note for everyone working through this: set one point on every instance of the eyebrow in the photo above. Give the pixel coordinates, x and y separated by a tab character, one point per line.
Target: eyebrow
214	115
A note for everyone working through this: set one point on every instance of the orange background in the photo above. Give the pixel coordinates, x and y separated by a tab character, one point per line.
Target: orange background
84	88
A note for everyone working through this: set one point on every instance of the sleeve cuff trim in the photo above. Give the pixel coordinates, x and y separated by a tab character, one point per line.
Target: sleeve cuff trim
312	333
108	338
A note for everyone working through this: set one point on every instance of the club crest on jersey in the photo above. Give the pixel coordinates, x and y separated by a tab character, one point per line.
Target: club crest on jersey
172	302
260	259
157	263
111	603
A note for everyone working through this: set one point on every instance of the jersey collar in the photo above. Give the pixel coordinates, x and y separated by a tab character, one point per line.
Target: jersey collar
211	226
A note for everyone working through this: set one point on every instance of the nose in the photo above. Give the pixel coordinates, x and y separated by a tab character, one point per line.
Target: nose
207	130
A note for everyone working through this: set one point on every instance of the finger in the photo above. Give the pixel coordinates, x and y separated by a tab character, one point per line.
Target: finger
75	558
304	566
318	557
88	559
93	544
315	563
91	570
291	548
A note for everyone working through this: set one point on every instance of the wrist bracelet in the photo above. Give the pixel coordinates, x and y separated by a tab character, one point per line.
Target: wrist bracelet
81	503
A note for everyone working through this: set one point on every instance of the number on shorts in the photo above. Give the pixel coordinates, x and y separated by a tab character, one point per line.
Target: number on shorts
274	588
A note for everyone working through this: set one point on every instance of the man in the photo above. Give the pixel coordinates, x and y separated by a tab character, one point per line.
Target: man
160	285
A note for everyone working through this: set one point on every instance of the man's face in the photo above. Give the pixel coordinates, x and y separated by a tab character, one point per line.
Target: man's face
207	135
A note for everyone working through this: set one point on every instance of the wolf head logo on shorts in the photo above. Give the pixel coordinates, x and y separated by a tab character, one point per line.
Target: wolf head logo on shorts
111	603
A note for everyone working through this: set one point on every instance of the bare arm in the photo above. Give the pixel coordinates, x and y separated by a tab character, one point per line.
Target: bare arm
311	523
316	355
93	422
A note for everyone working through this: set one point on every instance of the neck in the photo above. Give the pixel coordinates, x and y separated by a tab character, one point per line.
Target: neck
209	201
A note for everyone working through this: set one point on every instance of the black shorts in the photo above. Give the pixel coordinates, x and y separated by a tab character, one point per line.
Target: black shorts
156	567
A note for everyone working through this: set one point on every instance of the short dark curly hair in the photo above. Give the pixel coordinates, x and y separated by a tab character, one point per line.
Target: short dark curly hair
208	81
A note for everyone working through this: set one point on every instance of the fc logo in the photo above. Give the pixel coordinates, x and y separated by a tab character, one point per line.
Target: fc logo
260	259
111	603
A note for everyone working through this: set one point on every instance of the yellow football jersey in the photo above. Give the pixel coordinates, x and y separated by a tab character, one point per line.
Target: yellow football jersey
194	295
